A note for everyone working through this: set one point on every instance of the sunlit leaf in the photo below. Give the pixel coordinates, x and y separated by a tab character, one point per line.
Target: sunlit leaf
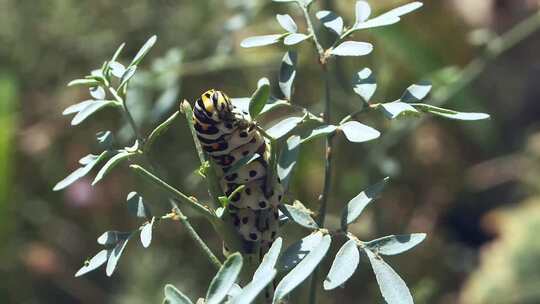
344	265
115	256
75	108
143	51
146	233
390	17
260	41
287	23
396	109
393	288
224	279
357	132
300	215
99	259
395	244
319	131
450	114
89	109
88	162
97	92
251	290
84	81
287	73
365	84
269	260
356	205
416	92
130	71
362	10
330	20
296	252
175	296
112	237
352	48
295	38
111	163
283	127
105	139
302	271
117	69
259	97
287	159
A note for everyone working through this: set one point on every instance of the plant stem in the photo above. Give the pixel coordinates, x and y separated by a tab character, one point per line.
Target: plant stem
129	117
176	194
195	236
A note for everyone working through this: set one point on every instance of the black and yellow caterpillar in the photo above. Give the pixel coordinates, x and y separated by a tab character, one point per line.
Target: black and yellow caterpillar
228	136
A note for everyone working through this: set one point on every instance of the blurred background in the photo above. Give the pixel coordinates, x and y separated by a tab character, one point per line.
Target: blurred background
473	187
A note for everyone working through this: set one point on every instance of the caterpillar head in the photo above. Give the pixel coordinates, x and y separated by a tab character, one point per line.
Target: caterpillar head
216	104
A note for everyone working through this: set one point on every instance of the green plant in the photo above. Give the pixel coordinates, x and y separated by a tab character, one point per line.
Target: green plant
286	126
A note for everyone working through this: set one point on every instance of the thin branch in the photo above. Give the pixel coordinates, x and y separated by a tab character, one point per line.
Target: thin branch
129	117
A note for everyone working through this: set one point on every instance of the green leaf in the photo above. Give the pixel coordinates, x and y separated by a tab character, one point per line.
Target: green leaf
302	271
416	92
296	252
357	132
388	18
356	205
105	139
174	296
283	127
117	69
450	114
97	92
75	108
287	159
254	288
344	265
99	259
364	84
89	109
395	244
111	163
117	52
146	233
319	131
115	256
330	20
300	215
294	38
85	81
362	11
130	71
224	279
88	162
393	288
259	97
143	51
352	48
159	130
287	23
112	237
268	263
287	73
257	41
396	109
136	205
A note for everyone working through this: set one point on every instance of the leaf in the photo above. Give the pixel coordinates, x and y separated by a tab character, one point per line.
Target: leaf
390	17
299	215
352	48
130	71
105	139
75	108
283	127
319	131
234	291
287	159
136	205
224	279
90	109
84	81
257	41
269	260
251	290
159	130
115	256
112	237
117	69
393	288
143	51
259	97
146	233
451	114
294	38
111	163
99	259
287	23
117	52
357	132
356	205
416	92
330	20
396	109
395	244
88	162
302	270
287	73
364	84
97	92
175	296
296	252
344	265
362	10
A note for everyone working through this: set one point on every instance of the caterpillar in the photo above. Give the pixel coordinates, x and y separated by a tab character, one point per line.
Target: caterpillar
228	135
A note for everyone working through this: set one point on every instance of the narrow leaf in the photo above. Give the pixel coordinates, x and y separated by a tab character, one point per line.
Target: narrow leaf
319	131
111	163
130	71
302	271
268	263
295	38
357	132
117	69
296	252
224	279
77	107
416	92
364	84
143	51
397	109
287	23
257	41
254	288
112	237
146	233
115	256
330	20
395	244
99	259
390	17
362	10
259	97
283	127
90	109
450	114
136	205
287	73
97	92
287	159
352	48
300	215
88	163
175	296
117	52
393	288
84	81
344	265
356	205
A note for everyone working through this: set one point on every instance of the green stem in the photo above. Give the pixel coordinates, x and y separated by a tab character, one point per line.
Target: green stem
196	206
195	236
129	117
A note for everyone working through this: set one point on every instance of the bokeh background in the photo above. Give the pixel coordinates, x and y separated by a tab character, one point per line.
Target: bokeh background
473	187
